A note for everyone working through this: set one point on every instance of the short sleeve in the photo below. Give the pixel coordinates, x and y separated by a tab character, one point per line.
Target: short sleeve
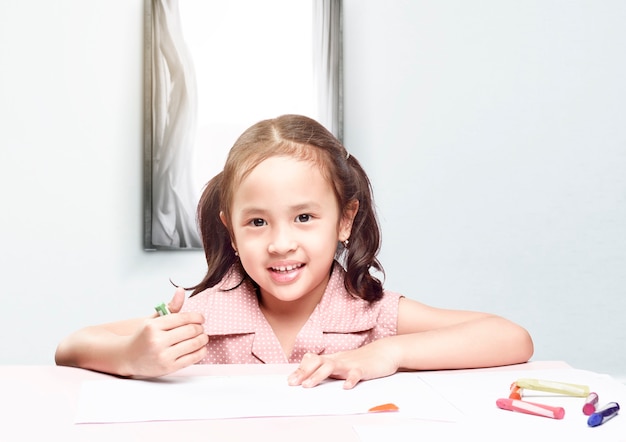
387	322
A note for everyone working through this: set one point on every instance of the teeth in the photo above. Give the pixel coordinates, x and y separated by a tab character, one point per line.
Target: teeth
286	268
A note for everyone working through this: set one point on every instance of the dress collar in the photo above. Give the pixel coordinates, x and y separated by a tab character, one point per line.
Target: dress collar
337	312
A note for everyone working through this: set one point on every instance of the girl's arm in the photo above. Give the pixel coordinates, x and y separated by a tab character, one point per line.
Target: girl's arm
428	339
432	338
144	347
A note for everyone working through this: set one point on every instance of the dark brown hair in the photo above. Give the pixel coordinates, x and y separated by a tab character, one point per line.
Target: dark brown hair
305	139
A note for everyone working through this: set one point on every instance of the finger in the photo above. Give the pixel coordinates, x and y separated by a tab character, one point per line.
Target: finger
187	353
196	344
179	356
190	358
177	300
183	333
353	378
170	322
309	363
324	369
322	373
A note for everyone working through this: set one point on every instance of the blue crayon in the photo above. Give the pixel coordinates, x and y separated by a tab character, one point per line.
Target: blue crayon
602	415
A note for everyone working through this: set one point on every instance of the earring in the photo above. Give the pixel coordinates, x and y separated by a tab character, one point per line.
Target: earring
345	243
236	253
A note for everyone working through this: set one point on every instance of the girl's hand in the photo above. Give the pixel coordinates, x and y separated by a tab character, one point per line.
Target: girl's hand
177	301
164	344
371	361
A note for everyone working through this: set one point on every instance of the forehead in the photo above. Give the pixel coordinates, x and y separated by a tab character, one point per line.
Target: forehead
284	180
246	158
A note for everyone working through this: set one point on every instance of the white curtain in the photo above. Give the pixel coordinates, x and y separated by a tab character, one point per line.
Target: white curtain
327	64
174	113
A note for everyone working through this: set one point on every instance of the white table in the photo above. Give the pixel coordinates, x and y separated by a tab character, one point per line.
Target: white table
40	402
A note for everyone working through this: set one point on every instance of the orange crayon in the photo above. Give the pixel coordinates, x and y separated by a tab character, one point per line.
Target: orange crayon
516	391
384	408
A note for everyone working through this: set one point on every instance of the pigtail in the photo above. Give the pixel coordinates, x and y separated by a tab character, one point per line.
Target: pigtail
365	240
218	250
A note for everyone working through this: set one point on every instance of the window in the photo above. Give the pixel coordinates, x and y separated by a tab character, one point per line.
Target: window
214	69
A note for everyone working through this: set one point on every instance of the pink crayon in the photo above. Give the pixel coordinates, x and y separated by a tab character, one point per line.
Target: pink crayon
531	408
590	404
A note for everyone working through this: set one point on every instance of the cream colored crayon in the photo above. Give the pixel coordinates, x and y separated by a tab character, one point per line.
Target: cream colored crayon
553	387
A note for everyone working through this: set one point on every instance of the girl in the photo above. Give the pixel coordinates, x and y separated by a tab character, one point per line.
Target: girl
291	237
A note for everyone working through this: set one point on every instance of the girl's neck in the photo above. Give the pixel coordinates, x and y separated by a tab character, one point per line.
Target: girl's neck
288	317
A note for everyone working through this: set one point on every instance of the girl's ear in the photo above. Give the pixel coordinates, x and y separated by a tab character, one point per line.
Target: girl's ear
347	218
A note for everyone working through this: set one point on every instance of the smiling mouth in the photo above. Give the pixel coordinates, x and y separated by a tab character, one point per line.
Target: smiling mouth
286	269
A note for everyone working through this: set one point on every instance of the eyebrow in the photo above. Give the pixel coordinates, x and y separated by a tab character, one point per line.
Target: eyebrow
303	207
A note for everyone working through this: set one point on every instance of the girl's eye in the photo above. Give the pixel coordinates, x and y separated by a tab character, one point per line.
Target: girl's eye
258	222
303	218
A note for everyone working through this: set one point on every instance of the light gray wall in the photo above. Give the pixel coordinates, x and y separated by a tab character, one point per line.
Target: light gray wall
71	82
493	134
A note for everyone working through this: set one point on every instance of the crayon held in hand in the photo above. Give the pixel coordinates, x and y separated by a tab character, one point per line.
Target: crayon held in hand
162	309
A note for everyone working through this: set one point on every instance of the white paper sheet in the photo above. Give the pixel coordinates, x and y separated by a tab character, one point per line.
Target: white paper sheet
239	396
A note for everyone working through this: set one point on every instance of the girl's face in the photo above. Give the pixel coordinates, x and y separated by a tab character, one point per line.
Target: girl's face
286	225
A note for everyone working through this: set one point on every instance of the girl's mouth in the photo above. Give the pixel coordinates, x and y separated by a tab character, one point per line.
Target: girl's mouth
286	274
286	269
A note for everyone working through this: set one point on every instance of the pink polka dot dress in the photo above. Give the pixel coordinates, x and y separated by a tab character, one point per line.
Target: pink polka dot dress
239	333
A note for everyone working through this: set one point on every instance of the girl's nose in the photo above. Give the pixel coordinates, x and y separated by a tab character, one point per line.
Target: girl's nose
281	243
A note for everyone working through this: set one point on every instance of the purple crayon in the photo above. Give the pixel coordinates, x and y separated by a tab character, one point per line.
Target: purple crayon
605	413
